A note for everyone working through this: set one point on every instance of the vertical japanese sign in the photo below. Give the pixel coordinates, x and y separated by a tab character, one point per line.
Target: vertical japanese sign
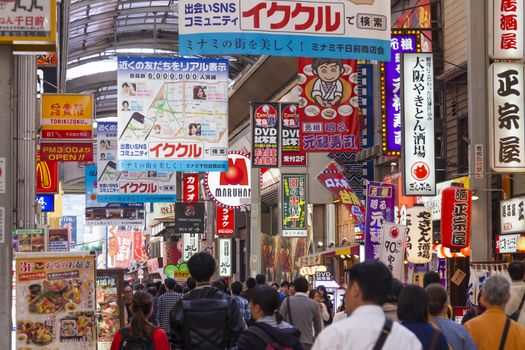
225	221
294	205
419	235
265	134
124	242
379	209
138	247
506	109
357	29
67	116
34	21
456	208
506	29
190	245
512	215
393	248
114	186
400	42
172	114
291	154
328	105
190	188
225	257
419	173
189	218
70	223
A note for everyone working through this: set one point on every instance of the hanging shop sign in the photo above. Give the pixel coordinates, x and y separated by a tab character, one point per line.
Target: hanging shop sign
58	240
265	134
225	257
66	152
110	317
512	215
47	60
46	176
507	119
190	245
328	105
190	188
123	243
116	186
401	42
379	209
417	91
46	202
456	207
509	243
231	189
55	301
172	114
357	29
332	179
189	218
179	272
67	116
434	203
70	223
34	21
506	29
29	240
294	205
139	253
291	154
419	235
225	221
393	248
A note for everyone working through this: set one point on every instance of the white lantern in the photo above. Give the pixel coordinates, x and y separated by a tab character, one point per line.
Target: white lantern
419	236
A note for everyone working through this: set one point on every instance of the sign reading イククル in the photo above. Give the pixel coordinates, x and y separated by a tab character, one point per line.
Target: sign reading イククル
506	29
265	135
67	116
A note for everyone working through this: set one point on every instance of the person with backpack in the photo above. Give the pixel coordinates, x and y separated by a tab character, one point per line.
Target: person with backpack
141	334
205	318
269	332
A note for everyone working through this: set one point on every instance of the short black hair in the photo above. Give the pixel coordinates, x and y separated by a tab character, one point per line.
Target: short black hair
170	283
138	287
201	266
318	62
260	279
437	298
516	270
152	291
179	289
413	304
250	282
301	285
374	279
190	282
125	85
275	284
395	290
267	298
236	288
221	285
285	284
430	277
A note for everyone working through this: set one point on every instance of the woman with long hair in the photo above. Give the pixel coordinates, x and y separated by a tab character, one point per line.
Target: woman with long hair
325	299
140	330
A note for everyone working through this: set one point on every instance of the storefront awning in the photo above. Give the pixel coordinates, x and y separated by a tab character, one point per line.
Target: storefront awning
315	259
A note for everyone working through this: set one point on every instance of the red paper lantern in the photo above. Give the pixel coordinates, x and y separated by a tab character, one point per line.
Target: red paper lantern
456	213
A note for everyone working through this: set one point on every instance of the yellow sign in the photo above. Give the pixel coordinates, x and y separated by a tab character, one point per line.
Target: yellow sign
33	21
67	116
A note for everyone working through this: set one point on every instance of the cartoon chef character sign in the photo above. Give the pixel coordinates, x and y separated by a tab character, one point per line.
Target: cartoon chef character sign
328	88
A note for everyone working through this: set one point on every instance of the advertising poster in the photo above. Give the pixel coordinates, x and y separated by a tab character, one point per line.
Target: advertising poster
123	247
23	21
67	116
114	186
190	245
280	256
70	223
357	29
55	304
328	105
118	214
46	176
139	253
294	206
172	114
225	257
190	188
109	312
393	248
225	221
265	134
291	154
189	217
379	209
66	152
58	240
29	240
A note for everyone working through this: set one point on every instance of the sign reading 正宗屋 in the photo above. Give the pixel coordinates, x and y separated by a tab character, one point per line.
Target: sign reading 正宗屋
512	215
265	134
294	205
225	257
190	245
506	29
391	89
507	243
379	209
172	114
225	221
507	119
357	29
417	91
434	203
419	235
393	248
189	218
456	215
33	21
291	154
190	188
67	116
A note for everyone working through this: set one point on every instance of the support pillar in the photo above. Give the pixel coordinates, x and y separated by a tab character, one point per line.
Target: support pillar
255	225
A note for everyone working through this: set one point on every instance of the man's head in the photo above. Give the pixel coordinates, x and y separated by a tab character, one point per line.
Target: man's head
300	285
275	286
370	283
516	271
496	291
202	267
236	288
260	279
170	283
250	283
128	294
430	277
190	283
138	287
437	299
328	69
284	287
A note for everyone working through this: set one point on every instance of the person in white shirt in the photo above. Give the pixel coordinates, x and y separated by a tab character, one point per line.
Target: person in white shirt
516	271
370	284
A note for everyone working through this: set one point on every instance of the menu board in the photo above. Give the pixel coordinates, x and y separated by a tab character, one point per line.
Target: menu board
55	306
109	312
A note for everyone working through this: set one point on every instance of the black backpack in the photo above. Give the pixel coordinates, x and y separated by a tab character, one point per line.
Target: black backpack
131	343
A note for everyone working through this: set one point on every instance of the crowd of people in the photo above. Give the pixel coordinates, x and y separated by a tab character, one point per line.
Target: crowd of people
378	312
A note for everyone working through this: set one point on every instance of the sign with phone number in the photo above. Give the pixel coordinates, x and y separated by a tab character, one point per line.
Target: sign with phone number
67	152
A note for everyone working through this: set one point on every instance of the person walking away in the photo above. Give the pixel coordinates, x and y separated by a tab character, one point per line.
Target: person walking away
242	304
390	305
140	334
166	303
128	295
430	277
250	284
493	329
367	327
316	296
457	336
152	290
302	313
412	311
269	329
260	279
205	318
514	308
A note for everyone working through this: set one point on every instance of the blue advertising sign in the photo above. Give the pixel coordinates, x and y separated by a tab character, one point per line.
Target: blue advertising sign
46	202
70	223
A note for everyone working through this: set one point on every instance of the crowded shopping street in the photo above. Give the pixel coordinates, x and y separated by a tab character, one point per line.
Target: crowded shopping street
262	174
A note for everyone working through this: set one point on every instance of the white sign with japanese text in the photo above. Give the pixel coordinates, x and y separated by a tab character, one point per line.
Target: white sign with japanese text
506	29
21	20
190	245
419	235
507	243
225	257
512	215
393	247
506	129
418	156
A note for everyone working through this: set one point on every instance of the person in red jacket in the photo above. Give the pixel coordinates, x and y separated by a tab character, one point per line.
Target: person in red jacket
140	328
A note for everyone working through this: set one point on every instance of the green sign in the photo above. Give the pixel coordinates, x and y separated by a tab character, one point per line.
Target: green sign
29	240
294	205
178	272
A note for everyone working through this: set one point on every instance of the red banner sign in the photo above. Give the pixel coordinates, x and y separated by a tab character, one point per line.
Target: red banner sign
225	221
190	188
456	207
138	248
46	177
67	152
291	154
123	249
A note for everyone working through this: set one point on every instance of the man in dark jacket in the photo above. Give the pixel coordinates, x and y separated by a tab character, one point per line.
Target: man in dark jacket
205	318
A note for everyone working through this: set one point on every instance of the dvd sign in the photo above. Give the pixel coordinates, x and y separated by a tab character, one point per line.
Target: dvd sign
265	140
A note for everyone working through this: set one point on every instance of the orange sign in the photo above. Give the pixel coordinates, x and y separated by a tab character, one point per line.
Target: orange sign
67	116
47	60
67	152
